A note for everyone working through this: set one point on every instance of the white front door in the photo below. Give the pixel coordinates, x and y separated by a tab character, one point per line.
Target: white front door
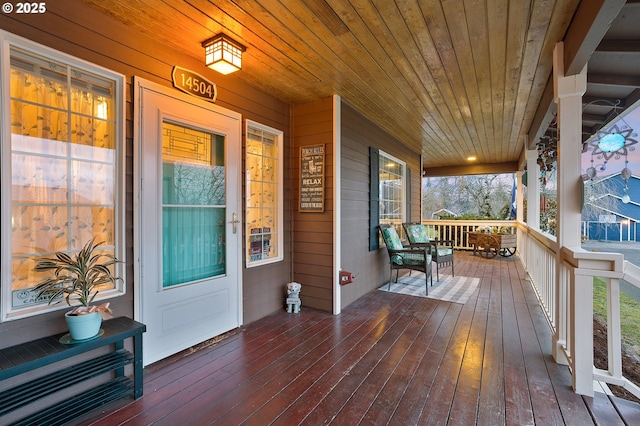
188	155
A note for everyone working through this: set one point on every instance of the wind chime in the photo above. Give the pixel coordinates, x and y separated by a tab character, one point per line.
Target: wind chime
615	142
547	152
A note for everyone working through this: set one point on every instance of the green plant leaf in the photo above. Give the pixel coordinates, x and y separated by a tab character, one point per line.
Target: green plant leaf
75	278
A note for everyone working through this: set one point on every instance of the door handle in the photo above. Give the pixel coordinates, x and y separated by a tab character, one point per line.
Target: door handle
234	222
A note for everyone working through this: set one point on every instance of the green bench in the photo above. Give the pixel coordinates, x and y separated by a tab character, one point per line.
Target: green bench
20	394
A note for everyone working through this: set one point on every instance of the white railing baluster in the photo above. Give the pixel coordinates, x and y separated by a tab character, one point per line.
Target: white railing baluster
614	338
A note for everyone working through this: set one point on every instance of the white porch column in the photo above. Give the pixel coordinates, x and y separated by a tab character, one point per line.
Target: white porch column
568	96
519	197
533	190
569	91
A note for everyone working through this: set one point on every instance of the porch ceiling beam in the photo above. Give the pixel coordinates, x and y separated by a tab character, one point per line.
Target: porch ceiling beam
588	27
590	23
472	169
591	123
544	115
594	118
614	79
633	98
619	46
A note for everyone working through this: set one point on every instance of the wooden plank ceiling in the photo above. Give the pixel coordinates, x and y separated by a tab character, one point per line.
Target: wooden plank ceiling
451	79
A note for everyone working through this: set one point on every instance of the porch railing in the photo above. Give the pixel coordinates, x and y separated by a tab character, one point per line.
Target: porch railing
563	282
457	230
569	304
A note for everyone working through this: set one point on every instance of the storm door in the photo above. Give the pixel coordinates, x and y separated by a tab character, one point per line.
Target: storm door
188	219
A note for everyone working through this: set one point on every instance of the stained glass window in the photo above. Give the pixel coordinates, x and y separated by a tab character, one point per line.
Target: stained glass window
193	205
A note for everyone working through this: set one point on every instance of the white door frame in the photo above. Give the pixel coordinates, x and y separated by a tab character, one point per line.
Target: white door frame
140	83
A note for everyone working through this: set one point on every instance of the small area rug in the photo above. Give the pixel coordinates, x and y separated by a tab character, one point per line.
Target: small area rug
451	289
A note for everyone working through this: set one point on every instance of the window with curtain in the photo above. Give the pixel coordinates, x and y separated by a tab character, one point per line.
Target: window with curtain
389	196
193	205
264	221
391	189
61	179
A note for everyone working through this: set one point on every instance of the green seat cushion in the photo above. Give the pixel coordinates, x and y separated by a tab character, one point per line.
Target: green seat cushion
391	239
417	234
445	251
417	258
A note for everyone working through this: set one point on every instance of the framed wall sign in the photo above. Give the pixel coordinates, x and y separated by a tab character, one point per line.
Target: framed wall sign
312	178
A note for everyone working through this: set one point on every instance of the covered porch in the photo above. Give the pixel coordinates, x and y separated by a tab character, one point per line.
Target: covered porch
387	359
515	353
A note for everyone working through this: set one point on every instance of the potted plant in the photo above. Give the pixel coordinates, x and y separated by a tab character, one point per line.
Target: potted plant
75	280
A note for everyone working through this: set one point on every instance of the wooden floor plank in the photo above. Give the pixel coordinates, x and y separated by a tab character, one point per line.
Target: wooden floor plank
629	411
411	406
517	399
603	410
372	388
280	373
347	403
491	401
173	375
543	398
387	359
332	375
465	402
438	404
240	402
235	366
388	400
312	368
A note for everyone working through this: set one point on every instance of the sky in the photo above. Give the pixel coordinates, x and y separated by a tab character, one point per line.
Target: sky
614	165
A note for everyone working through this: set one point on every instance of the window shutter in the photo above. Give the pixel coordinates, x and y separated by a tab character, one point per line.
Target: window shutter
408	195
374	198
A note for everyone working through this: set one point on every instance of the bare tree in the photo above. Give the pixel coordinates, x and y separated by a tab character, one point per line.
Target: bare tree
601	195
479	195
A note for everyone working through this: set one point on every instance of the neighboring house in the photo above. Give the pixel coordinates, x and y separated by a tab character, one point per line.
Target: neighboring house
606	216
442	212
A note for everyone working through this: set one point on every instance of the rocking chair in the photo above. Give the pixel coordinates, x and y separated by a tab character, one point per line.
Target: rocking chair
400	257
440	250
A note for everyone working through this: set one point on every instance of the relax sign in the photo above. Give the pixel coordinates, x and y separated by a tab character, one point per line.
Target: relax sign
312	178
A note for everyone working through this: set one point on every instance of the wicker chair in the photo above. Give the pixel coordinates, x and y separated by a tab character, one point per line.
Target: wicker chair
400	257
440	250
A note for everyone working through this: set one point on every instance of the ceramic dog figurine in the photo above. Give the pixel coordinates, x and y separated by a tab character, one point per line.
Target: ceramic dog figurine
293	301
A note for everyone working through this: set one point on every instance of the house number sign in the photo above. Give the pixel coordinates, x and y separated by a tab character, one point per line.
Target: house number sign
193	84
312	178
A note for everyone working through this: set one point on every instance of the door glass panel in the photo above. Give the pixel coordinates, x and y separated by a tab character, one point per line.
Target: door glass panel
193	205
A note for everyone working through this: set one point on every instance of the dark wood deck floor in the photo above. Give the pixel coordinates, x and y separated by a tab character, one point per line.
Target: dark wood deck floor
387	359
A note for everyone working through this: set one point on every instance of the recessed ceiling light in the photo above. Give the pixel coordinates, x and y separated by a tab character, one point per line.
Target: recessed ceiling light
472	158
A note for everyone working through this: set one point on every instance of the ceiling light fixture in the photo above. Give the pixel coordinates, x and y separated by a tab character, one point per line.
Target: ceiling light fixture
223	54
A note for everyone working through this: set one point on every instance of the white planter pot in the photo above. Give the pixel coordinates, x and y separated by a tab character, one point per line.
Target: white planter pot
83	327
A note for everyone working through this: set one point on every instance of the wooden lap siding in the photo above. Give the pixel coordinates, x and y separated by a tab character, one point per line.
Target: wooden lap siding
358	135
313	231
75	29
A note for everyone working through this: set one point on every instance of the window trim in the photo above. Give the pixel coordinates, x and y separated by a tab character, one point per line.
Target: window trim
375	242
8	40
279	134
403	189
